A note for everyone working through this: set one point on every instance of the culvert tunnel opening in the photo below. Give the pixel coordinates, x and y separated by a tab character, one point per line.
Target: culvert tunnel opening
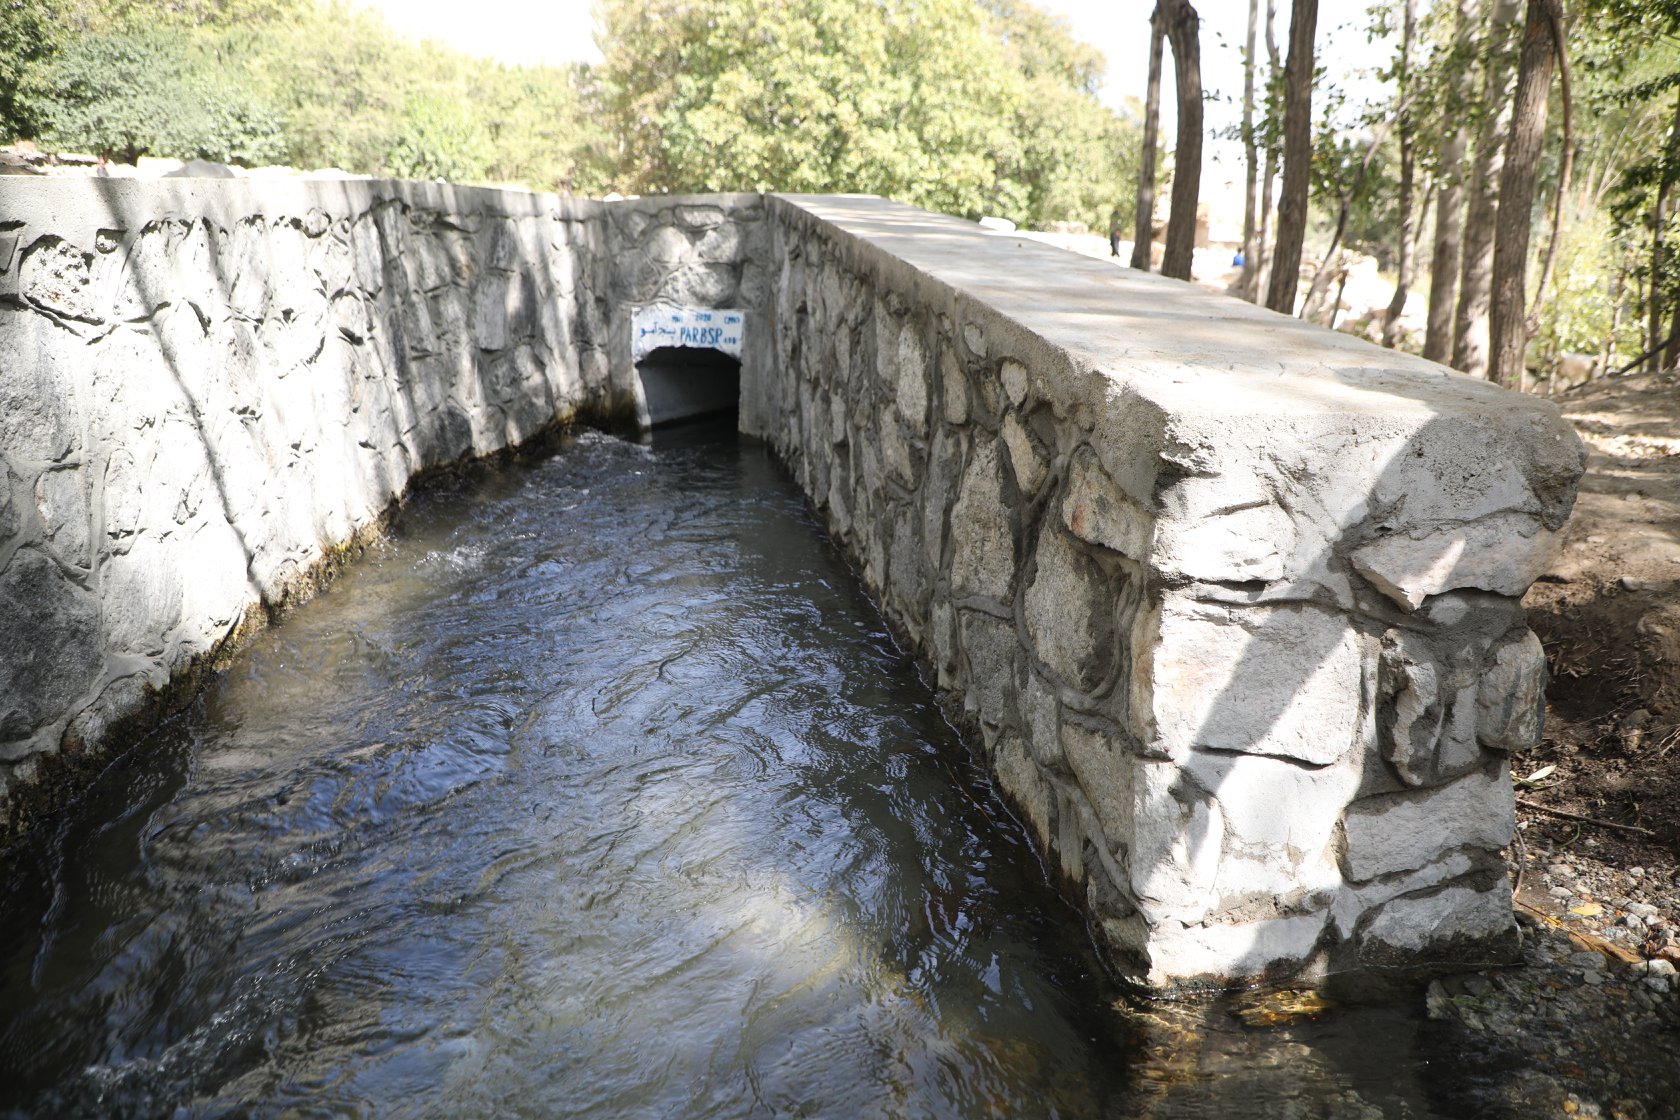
686	386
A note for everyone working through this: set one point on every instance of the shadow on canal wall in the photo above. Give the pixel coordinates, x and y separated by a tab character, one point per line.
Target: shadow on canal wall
1231	602
215	391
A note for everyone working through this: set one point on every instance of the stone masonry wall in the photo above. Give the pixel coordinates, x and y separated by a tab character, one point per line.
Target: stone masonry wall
699	252
1233	601
210	388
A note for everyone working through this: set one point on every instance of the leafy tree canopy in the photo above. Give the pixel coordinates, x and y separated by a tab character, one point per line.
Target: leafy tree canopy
30	30
966	106
946	104
132	93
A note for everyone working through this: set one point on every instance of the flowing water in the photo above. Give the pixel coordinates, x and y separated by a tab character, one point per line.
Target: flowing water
599	789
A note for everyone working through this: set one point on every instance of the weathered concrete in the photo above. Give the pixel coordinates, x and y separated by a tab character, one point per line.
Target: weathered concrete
1230	600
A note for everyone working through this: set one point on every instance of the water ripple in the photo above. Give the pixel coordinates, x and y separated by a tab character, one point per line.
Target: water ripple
600	790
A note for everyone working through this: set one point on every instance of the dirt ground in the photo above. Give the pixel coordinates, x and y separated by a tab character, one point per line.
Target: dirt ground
1608	613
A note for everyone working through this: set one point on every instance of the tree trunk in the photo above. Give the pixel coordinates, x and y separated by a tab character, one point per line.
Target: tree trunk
1297	157
1313	304
1144	236
1639	289
1449	210
1426	200
1659	219
1254	274
1470	319
1328	266
1251	164
1509	339
1566	164
1671	352
1183	32
1618	293
1408	219
1659	223
1341	290
1256	280
1312	308
1449	222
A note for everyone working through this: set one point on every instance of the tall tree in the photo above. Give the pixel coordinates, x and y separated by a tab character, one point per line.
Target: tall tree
1566	165
1629	52
1542	45
1251	163
1182	27
1671	347
1336	171
1408	229
1475	286
1449	202
1255	270
1143	238
1297	156
1659	226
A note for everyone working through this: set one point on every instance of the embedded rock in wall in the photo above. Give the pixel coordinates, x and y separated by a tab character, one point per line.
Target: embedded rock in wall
1232	601
210	388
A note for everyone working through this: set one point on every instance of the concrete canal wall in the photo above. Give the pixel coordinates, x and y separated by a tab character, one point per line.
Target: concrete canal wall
1231	601
210	389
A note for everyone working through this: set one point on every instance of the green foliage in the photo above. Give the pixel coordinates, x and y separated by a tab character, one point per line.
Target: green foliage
1581	316
342	80
133	93
1073	157
357	96
940	103
439	139
30	30
542	127
966	106
1627	58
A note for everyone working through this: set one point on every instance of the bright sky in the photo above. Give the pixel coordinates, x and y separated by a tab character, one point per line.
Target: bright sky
563	31
526	31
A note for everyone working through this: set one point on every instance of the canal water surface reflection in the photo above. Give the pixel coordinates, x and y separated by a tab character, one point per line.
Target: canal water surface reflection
599	789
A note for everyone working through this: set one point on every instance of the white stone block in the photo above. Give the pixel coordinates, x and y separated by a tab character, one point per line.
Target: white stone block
1433	920
912	389
1014	377
1504	553
1283	680
1069	612
1233	951
1025	457
1282	821
1405	831
1103	768
1511	695
1176	837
